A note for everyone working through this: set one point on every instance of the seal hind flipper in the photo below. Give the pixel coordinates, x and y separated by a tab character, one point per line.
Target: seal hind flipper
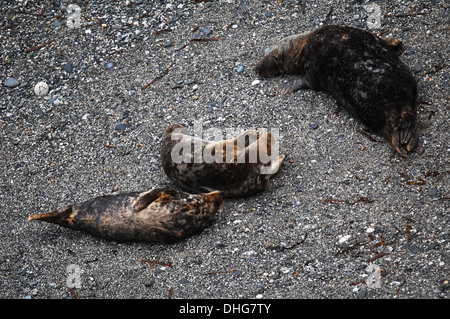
53	216
403	139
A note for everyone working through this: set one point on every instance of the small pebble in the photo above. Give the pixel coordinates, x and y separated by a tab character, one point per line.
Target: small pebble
68	67
110	65
41	88
343	239
168	44
313	126
206	31
361	294
437	290
432	192
416	67
284	270
256	82
120	127
11	82
432	246
240	69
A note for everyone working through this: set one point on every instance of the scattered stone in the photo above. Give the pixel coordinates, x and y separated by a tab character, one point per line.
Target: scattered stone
41	88
438	290
68	67
206	31
240	69
11	82
168	44
344	239
285	270
416	67
432	192
120	127
361	294
110	65
313	126
432	246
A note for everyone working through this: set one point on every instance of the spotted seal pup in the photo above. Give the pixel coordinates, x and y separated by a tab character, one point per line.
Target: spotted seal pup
159	215
239	167
360	70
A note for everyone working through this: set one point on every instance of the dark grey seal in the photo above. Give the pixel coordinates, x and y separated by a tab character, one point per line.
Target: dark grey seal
360	70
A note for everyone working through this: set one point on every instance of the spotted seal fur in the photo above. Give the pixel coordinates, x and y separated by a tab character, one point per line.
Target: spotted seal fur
360	70
158	215
239	167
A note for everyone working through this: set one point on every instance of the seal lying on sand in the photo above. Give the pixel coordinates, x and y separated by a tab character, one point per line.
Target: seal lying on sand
159	215
239	167
361	71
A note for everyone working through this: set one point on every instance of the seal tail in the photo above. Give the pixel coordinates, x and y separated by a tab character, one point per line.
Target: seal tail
51	217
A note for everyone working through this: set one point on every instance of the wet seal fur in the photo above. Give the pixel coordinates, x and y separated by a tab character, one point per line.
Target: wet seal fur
360	70
159	215
237	174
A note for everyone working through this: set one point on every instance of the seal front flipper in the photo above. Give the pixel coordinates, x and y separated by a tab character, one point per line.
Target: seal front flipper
299	82
149	197
396	44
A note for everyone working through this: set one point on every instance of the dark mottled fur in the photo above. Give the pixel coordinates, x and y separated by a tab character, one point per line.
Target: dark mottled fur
235	179
360	70
160	215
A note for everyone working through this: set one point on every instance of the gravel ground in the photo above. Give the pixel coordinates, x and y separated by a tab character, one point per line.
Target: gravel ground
343	209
